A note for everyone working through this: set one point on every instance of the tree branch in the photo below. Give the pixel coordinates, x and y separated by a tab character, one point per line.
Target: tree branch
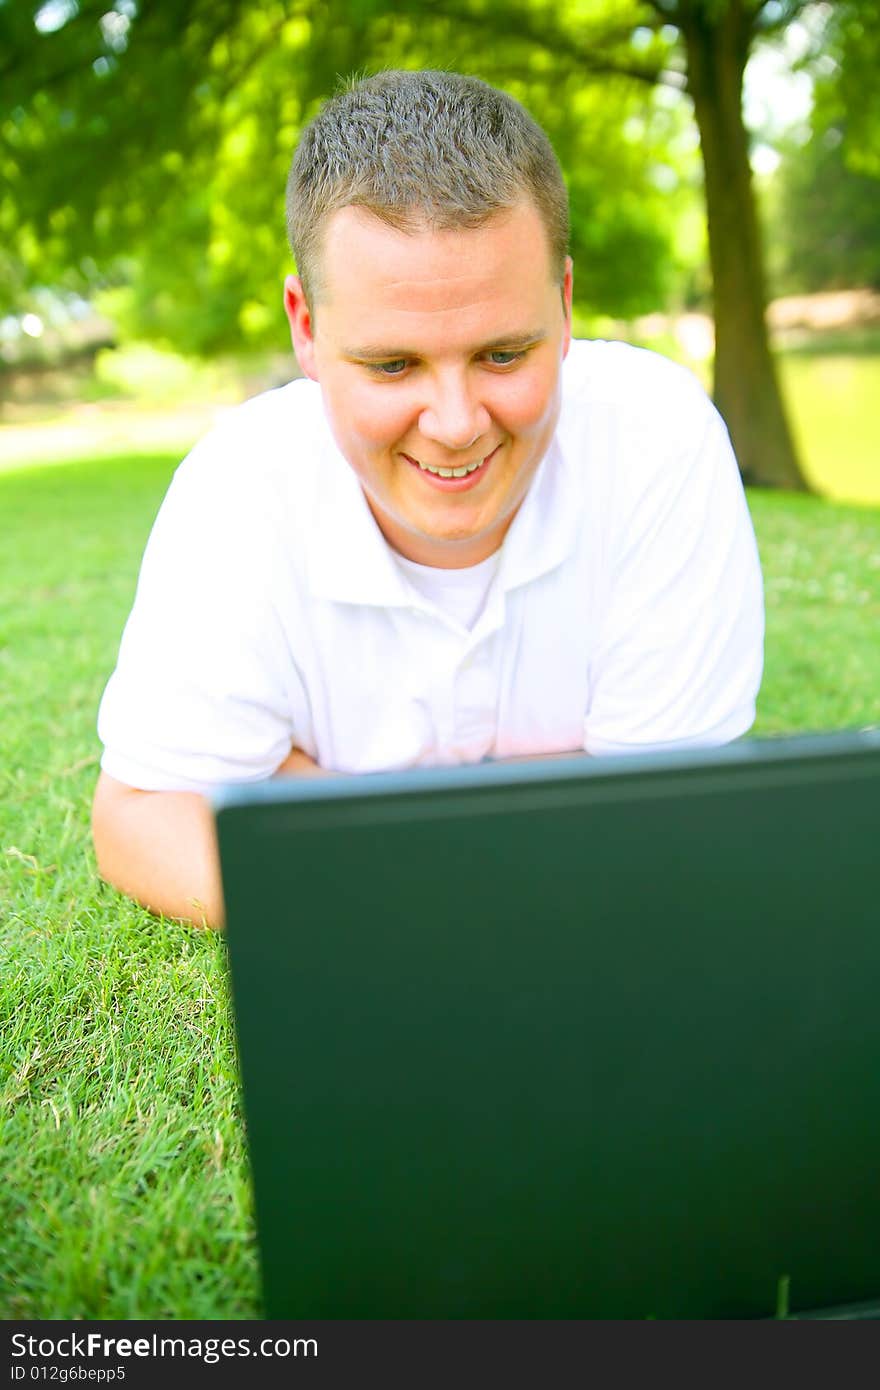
562	43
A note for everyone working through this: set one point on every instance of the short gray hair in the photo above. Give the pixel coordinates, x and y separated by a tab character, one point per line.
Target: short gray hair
417	149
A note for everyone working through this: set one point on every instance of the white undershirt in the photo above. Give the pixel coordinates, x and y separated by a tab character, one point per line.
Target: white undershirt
461	593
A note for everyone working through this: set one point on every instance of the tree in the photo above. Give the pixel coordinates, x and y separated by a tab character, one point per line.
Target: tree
111	116
112	149
717	37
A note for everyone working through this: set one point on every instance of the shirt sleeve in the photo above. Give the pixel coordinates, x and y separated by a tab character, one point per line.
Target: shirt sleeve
201	691
679	658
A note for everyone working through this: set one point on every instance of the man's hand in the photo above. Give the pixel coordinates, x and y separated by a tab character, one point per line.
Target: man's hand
299	764
532	757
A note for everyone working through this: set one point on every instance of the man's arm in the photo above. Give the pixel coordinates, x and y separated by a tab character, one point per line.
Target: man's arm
160	848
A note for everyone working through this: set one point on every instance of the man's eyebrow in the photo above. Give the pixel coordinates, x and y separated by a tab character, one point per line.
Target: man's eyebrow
376	352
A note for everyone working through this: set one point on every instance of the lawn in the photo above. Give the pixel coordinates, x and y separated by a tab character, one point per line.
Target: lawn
832	400
125	1191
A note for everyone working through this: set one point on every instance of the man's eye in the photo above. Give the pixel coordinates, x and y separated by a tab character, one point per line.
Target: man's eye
394	368
504	359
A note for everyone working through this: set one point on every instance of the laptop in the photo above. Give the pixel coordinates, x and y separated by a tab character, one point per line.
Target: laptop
564	1038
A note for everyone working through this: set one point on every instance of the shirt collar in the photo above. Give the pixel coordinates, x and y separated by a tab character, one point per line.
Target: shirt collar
544	530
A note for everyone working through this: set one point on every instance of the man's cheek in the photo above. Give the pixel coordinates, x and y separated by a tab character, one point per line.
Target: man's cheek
526	409
375	426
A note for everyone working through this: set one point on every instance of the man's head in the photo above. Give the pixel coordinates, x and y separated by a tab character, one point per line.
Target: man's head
416	149
429	220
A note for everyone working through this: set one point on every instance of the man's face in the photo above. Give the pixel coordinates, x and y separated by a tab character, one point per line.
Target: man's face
437	350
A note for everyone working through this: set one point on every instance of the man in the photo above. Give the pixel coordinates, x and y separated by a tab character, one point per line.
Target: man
459	535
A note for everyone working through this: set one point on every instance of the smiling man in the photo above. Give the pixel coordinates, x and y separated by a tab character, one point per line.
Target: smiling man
439	363
459	535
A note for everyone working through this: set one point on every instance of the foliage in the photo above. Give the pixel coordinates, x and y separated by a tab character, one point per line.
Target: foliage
824	202
849	92
159	138
827	218
166	134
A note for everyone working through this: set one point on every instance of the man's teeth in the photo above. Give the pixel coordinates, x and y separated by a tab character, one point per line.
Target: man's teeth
451	472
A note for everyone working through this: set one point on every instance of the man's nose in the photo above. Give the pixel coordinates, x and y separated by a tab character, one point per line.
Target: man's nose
454	416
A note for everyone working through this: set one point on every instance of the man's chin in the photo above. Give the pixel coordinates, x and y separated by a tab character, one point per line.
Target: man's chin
447	549
427	537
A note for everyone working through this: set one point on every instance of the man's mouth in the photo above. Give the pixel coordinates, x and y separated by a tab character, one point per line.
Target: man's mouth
464	475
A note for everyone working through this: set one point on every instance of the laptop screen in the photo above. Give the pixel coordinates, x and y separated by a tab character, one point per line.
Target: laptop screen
567	1038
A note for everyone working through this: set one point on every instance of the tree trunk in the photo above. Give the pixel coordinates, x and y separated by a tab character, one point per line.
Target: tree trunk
717	38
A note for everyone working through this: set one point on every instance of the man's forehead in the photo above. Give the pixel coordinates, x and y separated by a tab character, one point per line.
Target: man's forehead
353	237
365	262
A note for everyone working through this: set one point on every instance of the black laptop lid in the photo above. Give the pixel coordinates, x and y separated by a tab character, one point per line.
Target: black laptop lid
563	1039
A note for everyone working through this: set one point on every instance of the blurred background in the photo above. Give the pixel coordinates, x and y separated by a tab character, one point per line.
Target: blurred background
722	157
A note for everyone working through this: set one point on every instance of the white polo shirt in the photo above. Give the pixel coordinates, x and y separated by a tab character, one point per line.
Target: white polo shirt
623	612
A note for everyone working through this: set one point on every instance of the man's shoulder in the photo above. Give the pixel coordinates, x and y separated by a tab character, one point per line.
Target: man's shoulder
254	475
599	371
275	419
636	409
278	434
637	429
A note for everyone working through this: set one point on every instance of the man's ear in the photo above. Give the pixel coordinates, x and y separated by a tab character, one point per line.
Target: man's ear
299	316
567	285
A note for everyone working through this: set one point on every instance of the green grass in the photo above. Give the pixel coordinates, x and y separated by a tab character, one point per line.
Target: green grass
821	564
125	1191
835	421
